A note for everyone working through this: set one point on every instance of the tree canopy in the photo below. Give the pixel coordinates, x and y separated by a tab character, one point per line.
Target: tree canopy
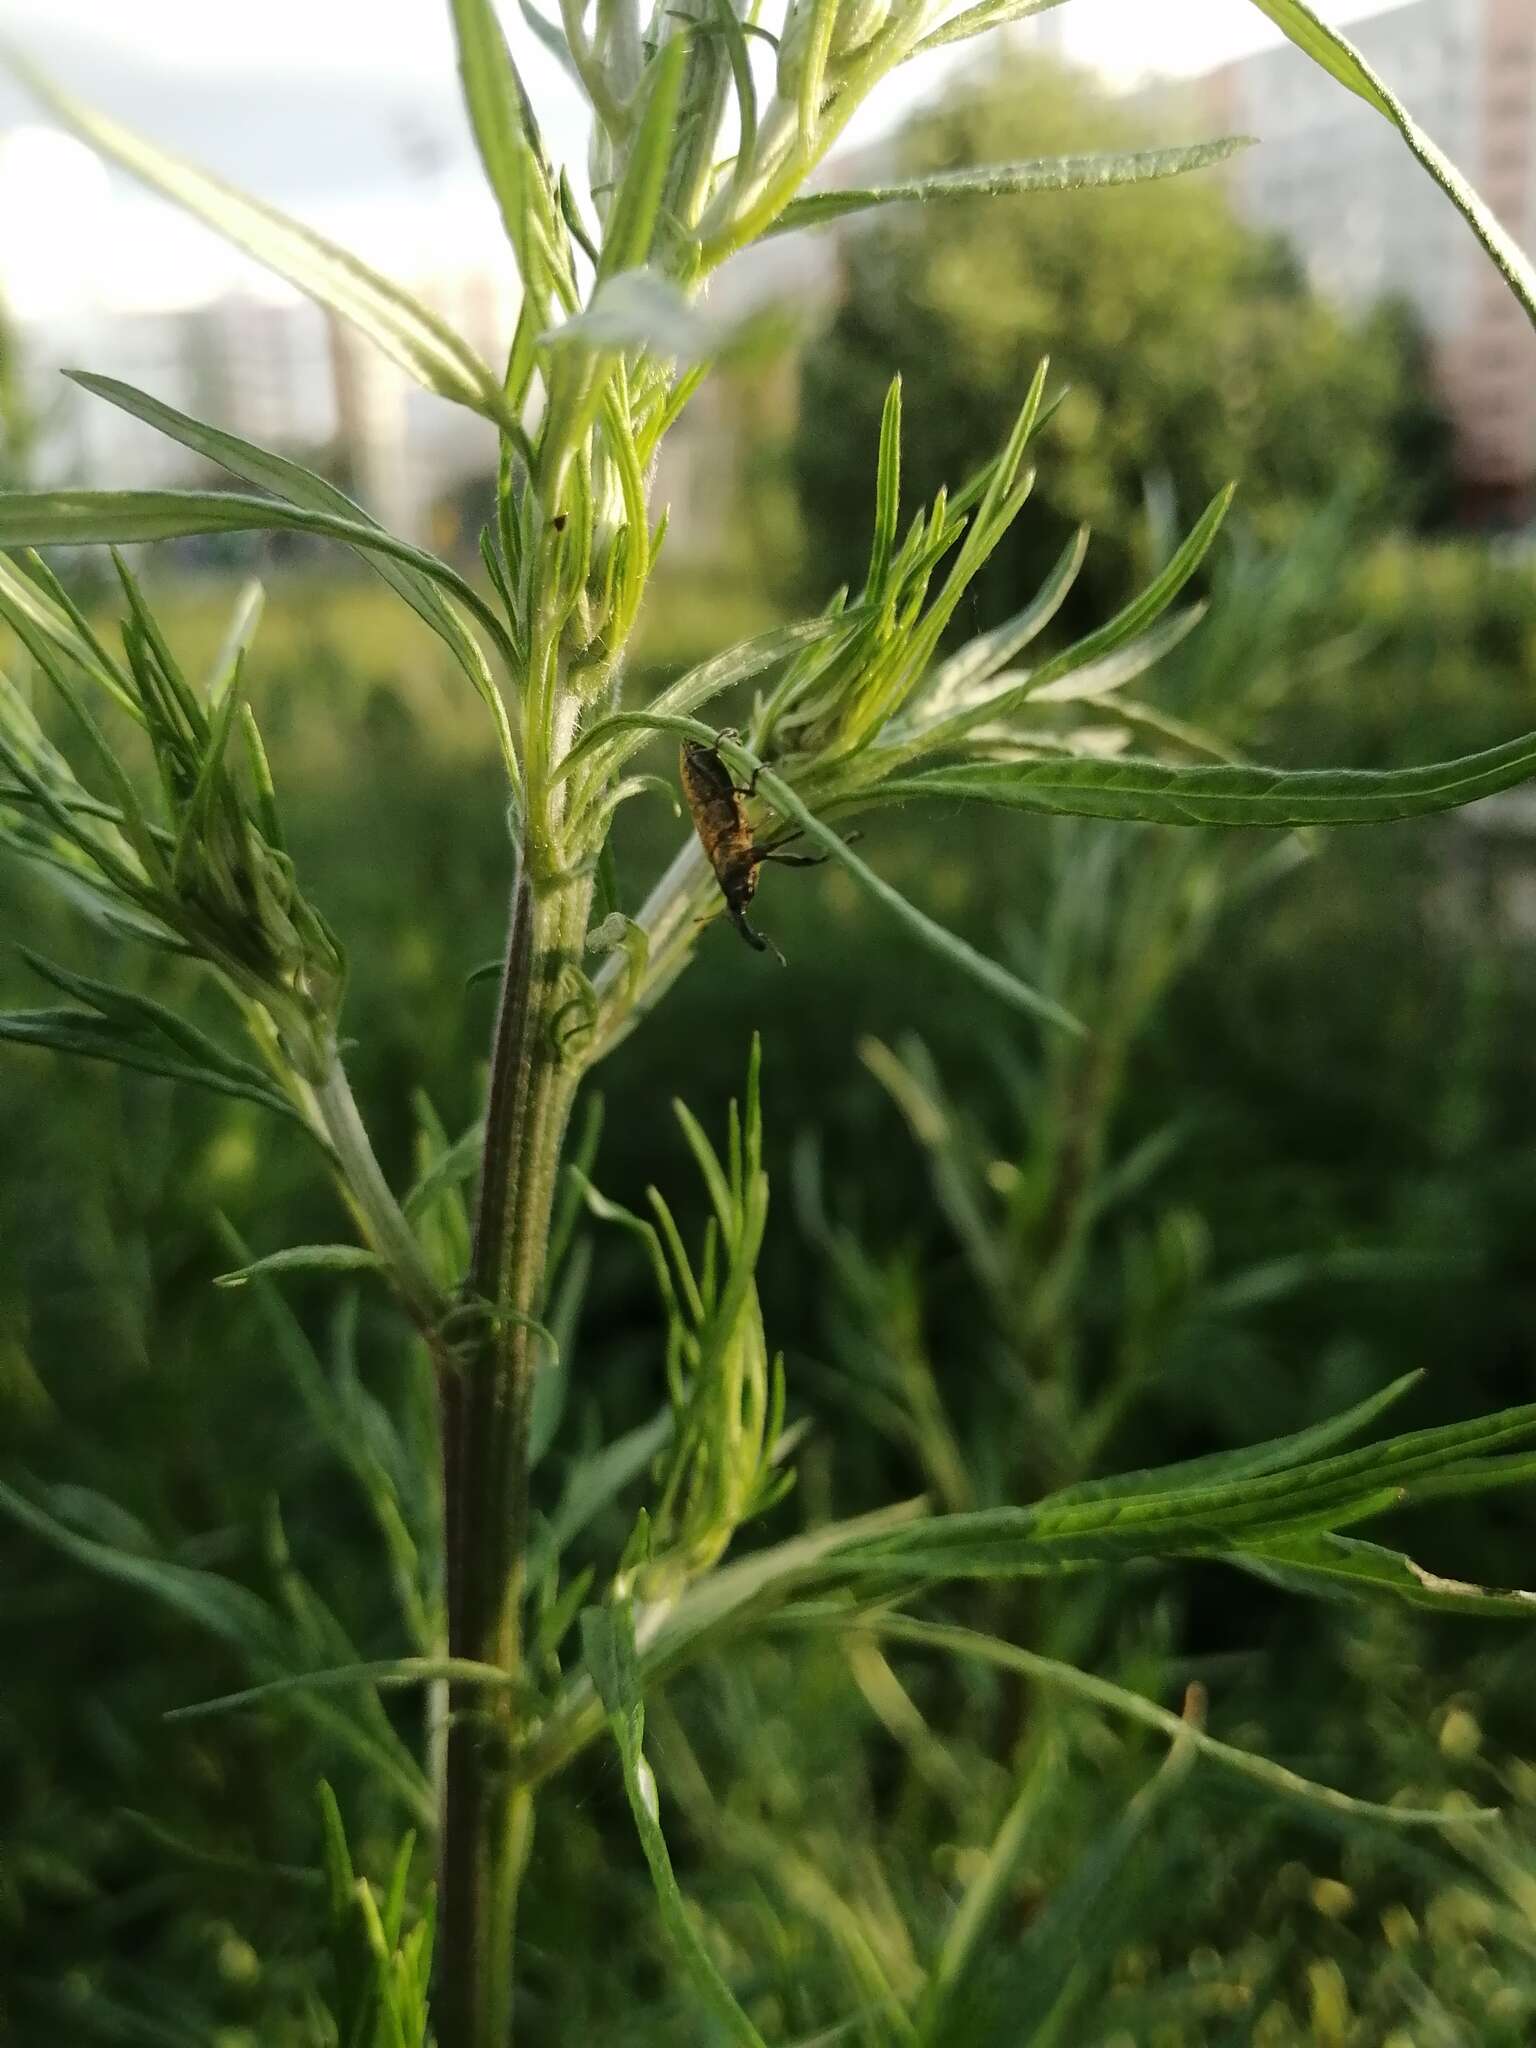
1191	349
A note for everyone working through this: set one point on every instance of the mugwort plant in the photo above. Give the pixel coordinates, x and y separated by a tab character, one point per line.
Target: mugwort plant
160	818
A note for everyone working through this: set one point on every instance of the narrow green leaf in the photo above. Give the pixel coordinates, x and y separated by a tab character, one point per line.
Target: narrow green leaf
608	1642
1135	788
66	633
1112	672
392	319
1210	1518
570	210
1343	1568
709	679
90	1036
79	518
336	1856
728	25
1326	47
227	1611
386	1673
458	1161
815	39
1001	181
499	112
21	732
632	220
305	1258
138	1012
608	1647
975	21
887	493
300	486
239	636
1128	625
981	658
595	1482
1218	1467
1115	1699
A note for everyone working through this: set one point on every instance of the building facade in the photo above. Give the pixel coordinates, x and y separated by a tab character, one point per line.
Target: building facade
1335	180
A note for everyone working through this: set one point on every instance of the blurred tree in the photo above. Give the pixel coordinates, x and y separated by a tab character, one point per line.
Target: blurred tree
1193	352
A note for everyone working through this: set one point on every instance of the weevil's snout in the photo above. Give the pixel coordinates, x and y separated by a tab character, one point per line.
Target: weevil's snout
755	939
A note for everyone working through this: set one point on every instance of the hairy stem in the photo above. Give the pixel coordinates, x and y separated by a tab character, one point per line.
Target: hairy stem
487	1817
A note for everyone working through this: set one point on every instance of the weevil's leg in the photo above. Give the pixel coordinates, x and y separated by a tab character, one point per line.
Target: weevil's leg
795	860
774	849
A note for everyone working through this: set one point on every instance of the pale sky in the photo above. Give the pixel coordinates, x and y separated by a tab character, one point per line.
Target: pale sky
345	112
382	38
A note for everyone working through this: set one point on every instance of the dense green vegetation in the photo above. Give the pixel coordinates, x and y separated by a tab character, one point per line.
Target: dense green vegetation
1209	358
1284	1176
1343	1193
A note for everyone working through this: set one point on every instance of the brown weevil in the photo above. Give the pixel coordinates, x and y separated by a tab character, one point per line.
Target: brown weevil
718	805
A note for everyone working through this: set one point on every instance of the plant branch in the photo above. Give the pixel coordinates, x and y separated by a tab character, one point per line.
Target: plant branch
368	1194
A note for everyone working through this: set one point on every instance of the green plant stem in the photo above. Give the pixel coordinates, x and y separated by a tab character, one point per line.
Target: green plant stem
378	1214
487	1817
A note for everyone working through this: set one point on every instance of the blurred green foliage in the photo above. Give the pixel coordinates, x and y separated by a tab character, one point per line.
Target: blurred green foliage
1328	1084
1191	349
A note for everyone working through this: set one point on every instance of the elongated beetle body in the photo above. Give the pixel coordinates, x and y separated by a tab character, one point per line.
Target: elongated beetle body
718	807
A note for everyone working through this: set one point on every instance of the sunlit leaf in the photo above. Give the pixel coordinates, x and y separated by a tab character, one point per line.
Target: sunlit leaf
633	219
1326	47
1001	181
986	14
499	112
300	486
393	320
1211	1517
1132	787
80	518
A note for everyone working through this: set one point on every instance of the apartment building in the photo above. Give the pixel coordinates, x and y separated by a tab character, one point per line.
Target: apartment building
1337	183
